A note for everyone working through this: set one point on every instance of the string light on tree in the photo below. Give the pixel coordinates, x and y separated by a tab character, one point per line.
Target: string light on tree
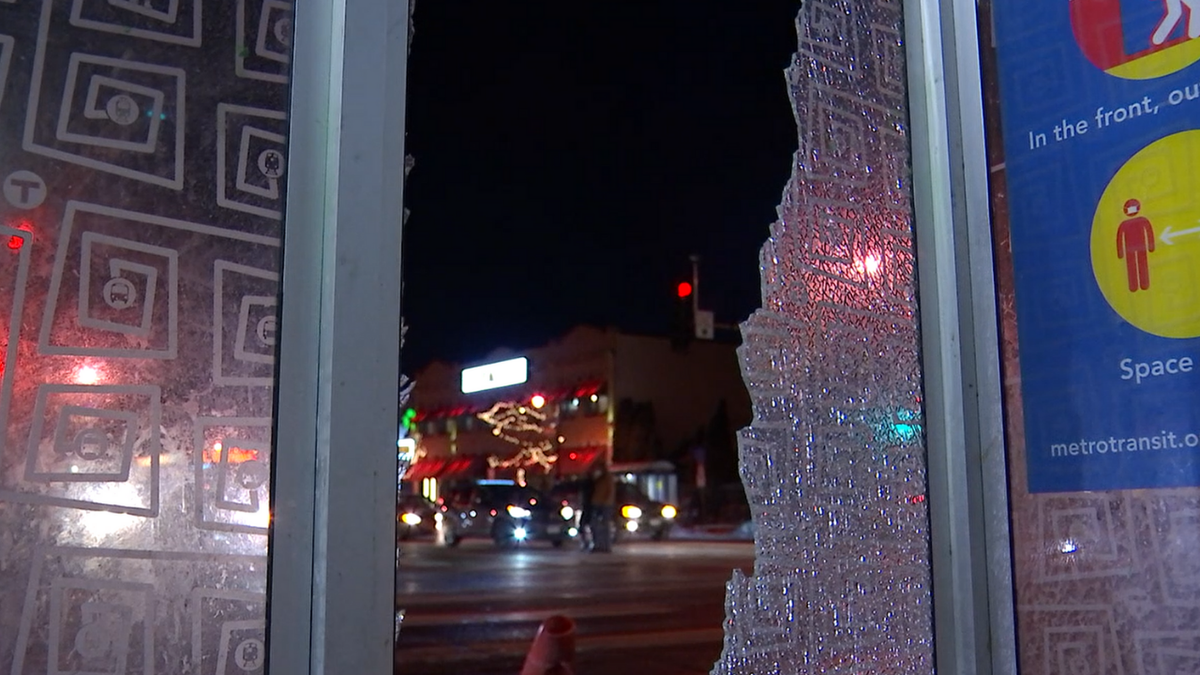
531	430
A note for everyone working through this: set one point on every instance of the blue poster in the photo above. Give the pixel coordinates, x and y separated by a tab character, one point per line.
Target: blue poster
1101	118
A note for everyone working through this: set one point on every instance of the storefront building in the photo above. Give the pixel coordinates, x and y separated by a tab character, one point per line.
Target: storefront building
599	396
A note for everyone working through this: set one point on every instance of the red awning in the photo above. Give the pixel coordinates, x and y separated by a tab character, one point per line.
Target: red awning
428	467
577	461
446	468
463	467
589	388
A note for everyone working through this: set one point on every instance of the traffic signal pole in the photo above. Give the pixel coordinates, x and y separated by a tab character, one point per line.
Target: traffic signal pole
695	284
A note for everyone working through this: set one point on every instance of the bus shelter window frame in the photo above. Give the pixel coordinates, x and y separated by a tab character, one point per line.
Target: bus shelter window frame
974	613
332	579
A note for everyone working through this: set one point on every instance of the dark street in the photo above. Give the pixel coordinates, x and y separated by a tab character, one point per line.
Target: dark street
646	608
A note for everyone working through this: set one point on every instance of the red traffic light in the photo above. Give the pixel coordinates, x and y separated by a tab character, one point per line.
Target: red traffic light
684	289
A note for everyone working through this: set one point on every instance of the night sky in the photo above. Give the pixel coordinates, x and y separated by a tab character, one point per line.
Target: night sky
571	155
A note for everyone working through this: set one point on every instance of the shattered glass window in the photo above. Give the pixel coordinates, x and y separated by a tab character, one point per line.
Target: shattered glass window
834	461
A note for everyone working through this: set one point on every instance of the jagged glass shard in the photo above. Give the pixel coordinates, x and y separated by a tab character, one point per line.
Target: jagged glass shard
834	461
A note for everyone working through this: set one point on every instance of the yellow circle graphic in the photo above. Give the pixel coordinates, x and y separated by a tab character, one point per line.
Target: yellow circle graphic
1146	238
1159	64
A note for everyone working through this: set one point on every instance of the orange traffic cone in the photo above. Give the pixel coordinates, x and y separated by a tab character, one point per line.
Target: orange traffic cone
553	650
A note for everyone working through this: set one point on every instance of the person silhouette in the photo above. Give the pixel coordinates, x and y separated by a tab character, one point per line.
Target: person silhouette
1172	18
1135	238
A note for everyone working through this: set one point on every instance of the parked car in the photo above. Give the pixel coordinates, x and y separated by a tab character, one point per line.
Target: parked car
636	515
640	516
415	517
508	514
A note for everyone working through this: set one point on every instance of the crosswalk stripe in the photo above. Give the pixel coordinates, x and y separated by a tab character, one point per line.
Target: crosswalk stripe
552	592
583	645
422	619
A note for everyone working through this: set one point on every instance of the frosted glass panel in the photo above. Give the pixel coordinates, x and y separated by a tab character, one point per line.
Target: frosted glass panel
834	462
143	154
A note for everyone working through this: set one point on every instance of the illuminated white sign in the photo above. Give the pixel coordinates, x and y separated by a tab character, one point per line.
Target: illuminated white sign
495	375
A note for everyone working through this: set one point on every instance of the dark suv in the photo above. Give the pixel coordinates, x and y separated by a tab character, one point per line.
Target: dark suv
503	511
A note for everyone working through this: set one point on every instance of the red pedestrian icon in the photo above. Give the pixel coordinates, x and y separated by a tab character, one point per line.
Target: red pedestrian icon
1135	239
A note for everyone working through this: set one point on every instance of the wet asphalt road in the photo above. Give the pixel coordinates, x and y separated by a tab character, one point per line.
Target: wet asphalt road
651	608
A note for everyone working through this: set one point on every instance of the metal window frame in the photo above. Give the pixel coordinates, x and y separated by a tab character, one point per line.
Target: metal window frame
332	578
974	627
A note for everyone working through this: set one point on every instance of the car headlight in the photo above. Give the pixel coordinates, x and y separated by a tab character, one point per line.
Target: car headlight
669	512
411	519
518	511
567	513
631	512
